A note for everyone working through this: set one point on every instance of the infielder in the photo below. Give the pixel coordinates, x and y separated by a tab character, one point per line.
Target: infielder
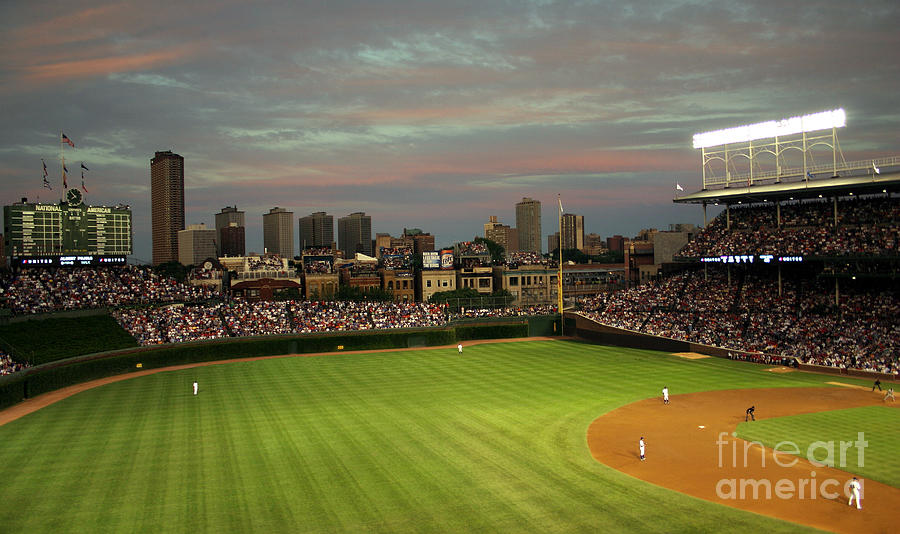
641	446
854	493
665	394
889	394
459	348
877	384
196	387
749	414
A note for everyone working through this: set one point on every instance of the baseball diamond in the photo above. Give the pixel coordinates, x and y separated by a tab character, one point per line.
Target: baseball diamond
405	441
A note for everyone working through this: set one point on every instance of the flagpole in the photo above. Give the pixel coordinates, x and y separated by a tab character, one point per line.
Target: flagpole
559	289
62	162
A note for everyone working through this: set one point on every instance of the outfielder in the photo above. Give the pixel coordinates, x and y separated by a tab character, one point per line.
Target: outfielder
196	387
641	446
665	394
459	348
854	493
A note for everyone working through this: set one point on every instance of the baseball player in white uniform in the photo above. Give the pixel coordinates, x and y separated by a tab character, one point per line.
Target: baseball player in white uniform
641	446
854	493
889	394
196	387
665	394
459	348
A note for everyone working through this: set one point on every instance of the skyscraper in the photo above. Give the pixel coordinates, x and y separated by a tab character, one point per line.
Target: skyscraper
528	223
166	204
229	217
355	234
232	240
503	235
195	244
278	232
573	231
316	230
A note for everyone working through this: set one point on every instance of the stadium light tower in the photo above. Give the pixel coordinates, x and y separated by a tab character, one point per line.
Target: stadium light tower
731	143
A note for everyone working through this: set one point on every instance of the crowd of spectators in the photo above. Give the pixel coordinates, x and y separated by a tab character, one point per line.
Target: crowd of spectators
317	266
266	263
747	315
510	311
174	324
525	258
865	227
472	248
396	258
317	251
244	318
9	366
45	290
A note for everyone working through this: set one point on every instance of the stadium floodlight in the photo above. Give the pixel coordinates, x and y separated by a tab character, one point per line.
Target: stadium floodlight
766	130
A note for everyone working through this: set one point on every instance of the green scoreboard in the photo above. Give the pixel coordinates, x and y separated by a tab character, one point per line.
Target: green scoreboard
68	228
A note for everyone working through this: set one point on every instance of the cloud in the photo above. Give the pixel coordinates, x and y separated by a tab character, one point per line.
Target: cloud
429	114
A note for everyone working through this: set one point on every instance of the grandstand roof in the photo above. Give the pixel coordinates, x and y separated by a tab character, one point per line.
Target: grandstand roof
772	192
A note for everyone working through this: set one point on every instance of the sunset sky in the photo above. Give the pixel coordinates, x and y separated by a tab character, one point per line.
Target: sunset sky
432	115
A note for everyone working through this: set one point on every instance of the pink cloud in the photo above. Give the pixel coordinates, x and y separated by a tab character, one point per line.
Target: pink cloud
82	68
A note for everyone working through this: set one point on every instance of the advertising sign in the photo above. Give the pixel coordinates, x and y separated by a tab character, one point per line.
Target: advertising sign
431	260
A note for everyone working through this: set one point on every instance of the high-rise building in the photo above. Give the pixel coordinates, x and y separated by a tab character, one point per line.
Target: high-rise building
382	240
278	232
316	230
232	240
195	244
229	217
573	231
166	204
594	245
502	234
355	234
616	243
528	223
422	241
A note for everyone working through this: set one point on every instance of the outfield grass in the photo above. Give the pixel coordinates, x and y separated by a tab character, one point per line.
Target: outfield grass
879	425
419	441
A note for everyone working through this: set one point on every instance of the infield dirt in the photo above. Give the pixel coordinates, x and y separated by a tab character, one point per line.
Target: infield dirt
683	454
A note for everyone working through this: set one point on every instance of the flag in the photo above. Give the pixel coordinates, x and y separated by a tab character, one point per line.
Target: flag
82	181
810	175
678	187
46	182
875	168
83	167
560	205
65	139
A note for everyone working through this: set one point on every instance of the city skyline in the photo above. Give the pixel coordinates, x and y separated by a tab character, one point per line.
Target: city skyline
428	115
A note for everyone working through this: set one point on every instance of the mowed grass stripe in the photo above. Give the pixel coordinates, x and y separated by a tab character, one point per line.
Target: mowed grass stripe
423	441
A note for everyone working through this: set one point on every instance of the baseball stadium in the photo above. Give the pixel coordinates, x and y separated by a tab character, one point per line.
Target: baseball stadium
135	402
